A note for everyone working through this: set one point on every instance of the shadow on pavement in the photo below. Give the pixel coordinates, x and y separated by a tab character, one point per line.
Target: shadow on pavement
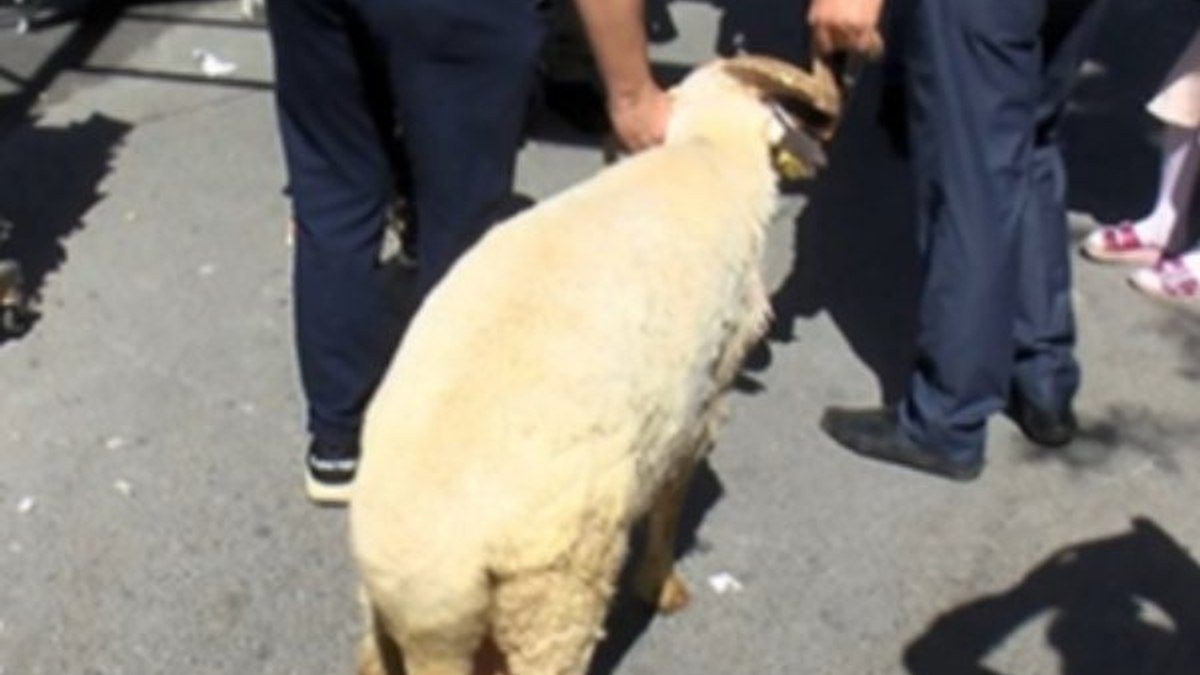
51	180
1125	429
1184	328
855	247
1124	605
52	174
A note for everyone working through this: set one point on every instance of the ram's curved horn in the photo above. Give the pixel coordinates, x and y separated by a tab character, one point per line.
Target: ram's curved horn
817	89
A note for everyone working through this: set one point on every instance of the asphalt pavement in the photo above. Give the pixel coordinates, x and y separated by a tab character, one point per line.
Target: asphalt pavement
152	518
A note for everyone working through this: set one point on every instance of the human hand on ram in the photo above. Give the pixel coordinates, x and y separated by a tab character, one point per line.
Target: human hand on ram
639	118
846	26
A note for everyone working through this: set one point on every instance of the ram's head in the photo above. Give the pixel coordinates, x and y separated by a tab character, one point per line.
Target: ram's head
796	110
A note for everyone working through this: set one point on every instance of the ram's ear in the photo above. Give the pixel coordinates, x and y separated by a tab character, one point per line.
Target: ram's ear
815	94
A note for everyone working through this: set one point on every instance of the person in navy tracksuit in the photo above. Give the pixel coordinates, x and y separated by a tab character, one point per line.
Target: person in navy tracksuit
456	77
987	82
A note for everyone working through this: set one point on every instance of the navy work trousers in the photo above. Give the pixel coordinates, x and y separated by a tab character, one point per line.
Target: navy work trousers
455	76
988	82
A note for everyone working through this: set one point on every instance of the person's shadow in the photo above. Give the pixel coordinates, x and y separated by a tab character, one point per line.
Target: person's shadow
855	252
52	174
51	181
1124	605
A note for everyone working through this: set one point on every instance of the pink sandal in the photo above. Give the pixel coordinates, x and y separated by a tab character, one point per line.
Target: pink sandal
1169	279
1120	243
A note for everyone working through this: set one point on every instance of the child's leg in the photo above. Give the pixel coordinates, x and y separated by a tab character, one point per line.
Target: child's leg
1180	161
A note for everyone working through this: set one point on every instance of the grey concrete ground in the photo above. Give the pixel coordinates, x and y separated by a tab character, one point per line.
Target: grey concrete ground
151	514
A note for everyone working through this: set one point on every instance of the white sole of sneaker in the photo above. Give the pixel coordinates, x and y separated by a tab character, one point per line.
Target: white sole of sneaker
325	494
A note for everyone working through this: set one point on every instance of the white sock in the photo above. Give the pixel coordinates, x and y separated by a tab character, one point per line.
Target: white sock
1174	187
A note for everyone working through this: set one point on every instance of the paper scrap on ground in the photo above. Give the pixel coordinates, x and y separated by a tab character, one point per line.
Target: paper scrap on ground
124	487
25	505
211	64
724	582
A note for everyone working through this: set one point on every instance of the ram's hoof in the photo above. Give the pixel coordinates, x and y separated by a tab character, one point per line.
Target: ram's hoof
674	595
667	597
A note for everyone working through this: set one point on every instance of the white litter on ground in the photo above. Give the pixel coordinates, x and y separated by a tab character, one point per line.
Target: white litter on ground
114	443
212	65
124	487
25	505
724	582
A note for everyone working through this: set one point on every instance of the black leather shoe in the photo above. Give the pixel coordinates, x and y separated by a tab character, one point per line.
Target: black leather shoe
1046	427
876	434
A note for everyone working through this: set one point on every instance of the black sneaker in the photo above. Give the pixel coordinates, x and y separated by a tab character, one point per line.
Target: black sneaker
330	471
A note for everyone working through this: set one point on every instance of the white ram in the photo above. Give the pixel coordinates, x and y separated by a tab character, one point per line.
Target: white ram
561	382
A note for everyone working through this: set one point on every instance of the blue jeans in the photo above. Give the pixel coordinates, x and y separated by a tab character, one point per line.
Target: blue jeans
455	76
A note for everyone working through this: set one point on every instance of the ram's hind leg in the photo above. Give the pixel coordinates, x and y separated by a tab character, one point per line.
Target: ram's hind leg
549	621
656	582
